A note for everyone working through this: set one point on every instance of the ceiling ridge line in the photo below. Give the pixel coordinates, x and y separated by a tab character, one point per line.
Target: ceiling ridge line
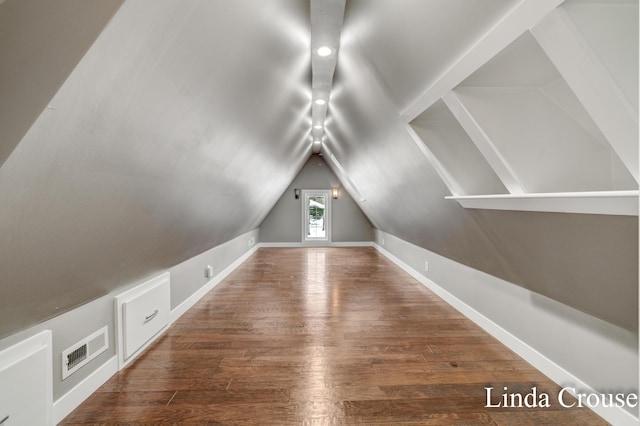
327	18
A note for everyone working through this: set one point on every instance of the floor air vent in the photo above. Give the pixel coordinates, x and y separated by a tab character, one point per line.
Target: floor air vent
84	351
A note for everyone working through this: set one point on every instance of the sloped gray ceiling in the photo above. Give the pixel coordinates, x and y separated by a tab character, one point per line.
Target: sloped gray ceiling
185	121
40	44
397	49
178	130
410	43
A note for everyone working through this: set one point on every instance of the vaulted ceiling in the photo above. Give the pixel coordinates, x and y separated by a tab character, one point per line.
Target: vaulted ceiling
137	134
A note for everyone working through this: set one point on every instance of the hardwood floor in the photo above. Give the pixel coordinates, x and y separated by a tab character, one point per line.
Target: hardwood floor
323	336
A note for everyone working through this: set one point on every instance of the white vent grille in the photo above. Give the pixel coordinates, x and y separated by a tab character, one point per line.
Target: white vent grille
84	351
76	357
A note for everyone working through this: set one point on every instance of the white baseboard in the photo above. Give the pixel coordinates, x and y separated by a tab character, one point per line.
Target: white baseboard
275	245
70	400
353	244
327	244
614	415
182	308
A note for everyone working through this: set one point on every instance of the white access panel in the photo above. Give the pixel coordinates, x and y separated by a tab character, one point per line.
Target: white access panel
26	395
142	313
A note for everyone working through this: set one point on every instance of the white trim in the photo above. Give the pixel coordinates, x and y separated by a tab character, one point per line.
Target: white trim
160	280
319	244
91	354
283	245
485	145
79	393
440	169
522	17
74	397
27	347
353	244
182	308
326	220
592	84
346	181
624	203
342	174
615	415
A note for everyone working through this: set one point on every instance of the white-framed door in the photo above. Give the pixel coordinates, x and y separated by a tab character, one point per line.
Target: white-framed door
316	216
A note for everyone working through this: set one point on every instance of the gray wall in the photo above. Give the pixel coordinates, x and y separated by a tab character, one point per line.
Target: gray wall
598	353
72	326
151	153
284	223
188	277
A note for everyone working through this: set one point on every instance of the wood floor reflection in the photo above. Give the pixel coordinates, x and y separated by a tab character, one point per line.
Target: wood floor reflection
322	336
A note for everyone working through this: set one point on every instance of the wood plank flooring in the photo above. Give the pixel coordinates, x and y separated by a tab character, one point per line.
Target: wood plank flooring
321	336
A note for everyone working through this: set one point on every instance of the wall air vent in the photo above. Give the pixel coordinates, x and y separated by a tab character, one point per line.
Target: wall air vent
84	351
76	357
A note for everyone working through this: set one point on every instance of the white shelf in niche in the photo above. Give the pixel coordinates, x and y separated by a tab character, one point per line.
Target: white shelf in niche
532	128
624	203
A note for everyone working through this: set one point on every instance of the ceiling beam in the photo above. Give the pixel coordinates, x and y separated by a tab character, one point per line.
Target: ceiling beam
326	24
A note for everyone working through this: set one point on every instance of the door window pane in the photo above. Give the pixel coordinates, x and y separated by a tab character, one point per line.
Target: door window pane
316	217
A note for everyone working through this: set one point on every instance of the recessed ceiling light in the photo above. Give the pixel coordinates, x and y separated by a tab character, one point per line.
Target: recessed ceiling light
324	51
320	101
318	126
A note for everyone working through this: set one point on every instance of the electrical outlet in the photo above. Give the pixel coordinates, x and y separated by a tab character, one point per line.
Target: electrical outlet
426	266
208	271
252	241
383	241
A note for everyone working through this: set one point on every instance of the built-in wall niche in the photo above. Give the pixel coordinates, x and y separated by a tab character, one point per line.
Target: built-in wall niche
468	171
533	116
536	124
